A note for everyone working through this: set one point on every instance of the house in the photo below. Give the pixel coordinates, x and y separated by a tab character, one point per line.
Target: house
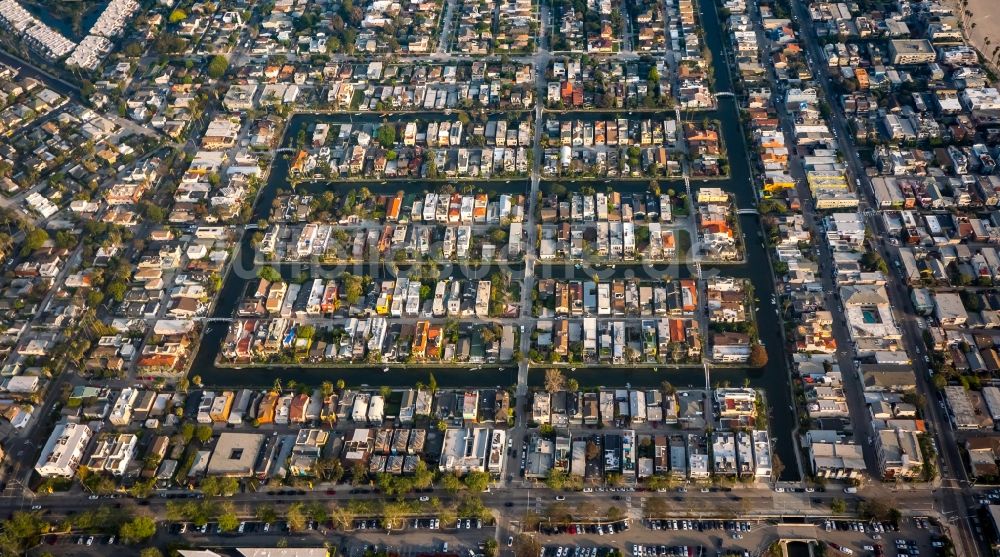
899	455
731	347
837	460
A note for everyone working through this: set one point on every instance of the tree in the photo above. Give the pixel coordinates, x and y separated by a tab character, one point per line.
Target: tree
228	521
555	381
572	385
94	298
35	239
526	545
477	481
270	274
306	331
777	466
139	529
204	433
614	513
758	356
423	477
296	517
218	66
177	16
143	488
432	383
213	486
656	507
117	290
153	212
21	531
387	135
187	432
876	509
391	514
659	482
668	388
359	474
451	483
266	513
556	479
838	506
353	288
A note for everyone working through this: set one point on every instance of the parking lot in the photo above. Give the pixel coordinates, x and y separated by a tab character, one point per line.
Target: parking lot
417	542
690	537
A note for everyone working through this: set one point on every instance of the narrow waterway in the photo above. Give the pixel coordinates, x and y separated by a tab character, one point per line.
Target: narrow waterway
773	378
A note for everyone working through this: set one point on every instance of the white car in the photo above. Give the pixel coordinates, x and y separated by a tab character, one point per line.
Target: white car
267	526
424	499
510	541
90	540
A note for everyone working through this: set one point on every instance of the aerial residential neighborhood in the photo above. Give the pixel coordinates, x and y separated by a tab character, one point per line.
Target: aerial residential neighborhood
530	278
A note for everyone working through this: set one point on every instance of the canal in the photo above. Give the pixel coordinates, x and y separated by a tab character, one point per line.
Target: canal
773	378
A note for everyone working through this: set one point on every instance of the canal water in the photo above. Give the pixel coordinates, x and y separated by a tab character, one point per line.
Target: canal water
773	378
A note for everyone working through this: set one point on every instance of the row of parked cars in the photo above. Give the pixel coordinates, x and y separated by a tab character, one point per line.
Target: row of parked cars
245	527
599	529
873	527
571	551
89	540
699	525
666	550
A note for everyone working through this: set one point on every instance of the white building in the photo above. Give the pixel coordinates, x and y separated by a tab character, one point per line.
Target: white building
762	454
63	451
473	450
121	412
114	453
